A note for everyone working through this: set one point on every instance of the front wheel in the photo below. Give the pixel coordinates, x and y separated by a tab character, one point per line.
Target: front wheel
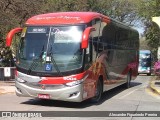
99	90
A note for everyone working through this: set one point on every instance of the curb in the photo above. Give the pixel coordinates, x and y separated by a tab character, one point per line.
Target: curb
155	88
4	92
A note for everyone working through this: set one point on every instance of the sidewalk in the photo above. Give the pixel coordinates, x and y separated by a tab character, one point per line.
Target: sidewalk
7	87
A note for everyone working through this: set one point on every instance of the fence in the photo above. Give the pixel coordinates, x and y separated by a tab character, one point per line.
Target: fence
7	73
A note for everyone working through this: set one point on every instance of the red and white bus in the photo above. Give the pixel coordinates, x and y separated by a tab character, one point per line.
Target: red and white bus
74	56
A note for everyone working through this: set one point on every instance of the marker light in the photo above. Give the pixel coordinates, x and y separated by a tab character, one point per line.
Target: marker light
70	84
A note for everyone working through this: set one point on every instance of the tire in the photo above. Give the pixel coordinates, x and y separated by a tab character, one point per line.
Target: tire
148	74
128	83
99	90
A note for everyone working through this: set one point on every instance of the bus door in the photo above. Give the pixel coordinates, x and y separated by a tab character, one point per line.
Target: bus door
91	63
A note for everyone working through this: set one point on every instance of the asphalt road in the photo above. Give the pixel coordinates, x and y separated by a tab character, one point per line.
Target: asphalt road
136	98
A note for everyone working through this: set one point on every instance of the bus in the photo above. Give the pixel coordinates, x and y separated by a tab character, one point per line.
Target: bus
145	62
73	56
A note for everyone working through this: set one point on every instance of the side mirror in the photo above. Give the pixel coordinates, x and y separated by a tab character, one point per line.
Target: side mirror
85	37
11	34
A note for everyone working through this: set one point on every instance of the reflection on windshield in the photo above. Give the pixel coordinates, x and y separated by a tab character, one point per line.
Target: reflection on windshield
62	42
145	60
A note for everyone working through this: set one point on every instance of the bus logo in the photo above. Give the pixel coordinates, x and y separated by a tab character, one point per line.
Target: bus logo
43	87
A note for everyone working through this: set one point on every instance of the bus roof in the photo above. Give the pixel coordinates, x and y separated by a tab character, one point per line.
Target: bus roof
145	51
65	18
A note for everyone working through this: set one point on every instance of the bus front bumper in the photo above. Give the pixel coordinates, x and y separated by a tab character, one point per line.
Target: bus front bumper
72	94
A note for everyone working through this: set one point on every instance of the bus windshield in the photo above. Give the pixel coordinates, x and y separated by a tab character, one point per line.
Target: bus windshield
63	42
145	60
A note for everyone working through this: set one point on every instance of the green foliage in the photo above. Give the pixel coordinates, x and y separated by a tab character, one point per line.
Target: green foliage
147	10
153	38
13	14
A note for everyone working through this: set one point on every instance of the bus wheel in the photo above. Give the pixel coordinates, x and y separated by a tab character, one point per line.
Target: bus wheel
128	83
99	90
148	74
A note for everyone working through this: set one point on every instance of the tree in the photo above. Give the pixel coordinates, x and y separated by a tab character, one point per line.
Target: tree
121	10
13	14
147	10
153	38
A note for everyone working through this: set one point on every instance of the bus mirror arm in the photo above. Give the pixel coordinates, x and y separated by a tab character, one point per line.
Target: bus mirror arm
10	36
85	37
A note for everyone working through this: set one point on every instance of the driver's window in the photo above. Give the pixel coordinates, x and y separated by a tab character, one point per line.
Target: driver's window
89	52
88	55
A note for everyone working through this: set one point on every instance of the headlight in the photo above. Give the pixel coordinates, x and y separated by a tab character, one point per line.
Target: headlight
70	84
20	80
148	68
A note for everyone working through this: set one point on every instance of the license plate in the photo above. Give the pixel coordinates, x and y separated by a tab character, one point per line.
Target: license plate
43	96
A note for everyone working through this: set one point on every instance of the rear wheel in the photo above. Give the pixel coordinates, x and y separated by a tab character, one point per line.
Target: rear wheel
99	90
148	74
128	83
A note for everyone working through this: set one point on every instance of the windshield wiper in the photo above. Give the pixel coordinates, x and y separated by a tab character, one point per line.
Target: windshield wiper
50	54
39	59
35	61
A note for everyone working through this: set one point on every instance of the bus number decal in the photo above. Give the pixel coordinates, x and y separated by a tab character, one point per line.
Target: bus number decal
69	78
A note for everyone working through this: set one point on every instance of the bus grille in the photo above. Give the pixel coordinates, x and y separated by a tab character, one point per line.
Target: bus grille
47	86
